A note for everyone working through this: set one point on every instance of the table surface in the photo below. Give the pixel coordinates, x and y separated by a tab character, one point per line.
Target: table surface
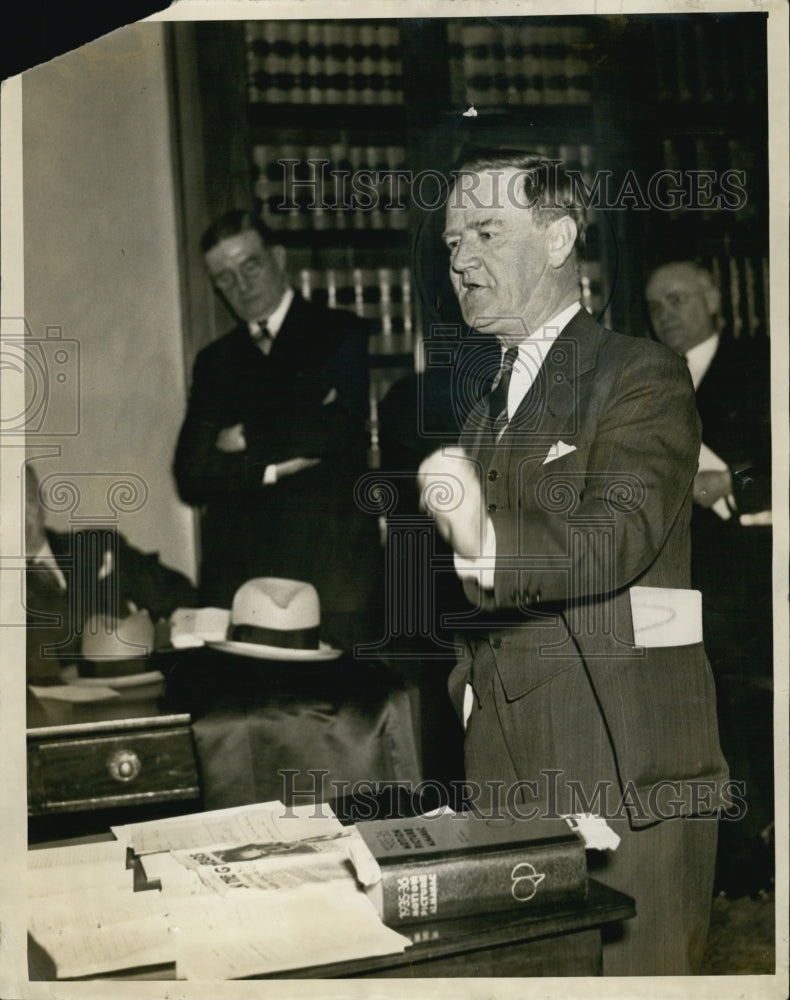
442	938
144	705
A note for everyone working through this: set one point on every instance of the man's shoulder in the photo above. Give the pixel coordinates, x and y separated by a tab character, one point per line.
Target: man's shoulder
224	346
621	349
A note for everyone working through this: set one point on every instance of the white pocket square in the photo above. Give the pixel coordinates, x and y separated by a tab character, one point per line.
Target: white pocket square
330	397
557	451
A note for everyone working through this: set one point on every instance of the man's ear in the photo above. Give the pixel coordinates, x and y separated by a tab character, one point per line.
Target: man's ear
278	252
561	238
712	299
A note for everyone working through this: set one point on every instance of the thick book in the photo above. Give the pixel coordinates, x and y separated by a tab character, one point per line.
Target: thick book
458	864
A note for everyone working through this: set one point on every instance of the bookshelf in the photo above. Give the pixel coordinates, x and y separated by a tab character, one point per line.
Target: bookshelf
291	113
695	108
334	107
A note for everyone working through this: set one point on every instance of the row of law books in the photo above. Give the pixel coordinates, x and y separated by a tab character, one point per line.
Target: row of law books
701	63
501	64
382	294
342	186
745	289
736	170
324	62
259	889
338	186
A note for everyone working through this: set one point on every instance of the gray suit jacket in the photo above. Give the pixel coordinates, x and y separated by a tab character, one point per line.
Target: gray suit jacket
589	490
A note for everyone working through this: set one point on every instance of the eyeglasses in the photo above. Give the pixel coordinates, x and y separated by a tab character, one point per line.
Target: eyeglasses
250	269
675	300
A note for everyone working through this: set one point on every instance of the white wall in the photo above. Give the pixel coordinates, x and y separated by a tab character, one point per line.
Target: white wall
101	263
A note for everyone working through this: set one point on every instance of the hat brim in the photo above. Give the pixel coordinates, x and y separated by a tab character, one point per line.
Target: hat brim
259	652
130	680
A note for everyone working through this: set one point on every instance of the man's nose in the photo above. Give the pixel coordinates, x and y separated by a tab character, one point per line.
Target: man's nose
245	282
464	258
659	310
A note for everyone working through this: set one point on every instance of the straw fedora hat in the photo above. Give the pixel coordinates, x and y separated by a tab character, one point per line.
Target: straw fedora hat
276	619
116	648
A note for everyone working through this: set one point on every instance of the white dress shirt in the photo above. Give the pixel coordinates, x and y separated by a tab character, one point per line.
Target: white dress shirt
699	359
272	322
45	557
532	353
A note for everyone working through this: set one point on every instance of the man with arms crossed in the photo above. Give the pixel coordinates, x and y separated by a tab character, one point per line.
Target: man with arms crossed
274	438
569	519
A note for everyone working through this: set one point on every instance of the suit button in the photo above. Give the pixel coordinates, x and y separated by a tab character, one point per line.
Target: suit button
492	508
496	643
492	474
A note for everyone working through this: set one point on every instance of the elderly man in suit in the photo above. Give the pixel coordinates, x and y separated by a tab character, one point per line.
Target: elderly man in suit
731	543
275	438
74	577
583	681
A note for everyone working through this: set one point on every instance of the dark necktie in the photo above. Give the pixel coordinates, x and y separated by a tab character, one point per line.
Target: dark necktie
497	401
261	336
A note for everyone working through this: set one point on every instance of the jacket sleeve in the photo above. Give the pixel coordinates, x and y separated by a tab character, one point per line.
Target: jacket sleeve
751	478
204	473
143	580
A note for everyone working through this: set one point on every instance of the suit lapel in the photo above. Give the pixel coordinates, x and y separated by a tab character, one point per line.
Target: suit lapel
550	411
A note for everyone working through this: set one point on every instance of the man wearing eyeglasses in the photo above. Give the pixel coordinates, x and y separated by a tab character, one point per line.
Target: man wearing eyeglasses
731	544
274	437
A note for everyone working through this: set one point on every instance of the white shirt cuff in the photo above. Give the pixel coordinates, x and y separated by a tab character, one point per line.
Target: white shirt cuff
270	475
481	568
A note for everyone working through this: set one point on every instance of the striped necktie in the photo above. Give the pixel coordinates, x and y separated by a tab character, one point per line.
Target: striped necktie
497	401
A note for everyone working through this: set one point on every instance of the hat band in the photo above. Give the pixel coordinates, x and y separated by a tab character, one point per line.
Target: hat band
291	638
112	668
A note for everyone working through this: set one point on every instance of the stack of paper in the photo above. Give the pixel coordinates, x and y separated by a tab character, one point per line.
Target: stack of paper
237	892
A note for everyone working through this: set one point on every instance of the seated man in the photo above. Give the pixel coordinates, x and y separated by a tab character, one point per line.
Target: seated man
89	573
731	539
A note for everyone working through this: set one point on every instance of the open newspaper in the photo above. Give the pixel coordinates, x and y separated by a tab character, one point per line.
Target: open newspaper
233	893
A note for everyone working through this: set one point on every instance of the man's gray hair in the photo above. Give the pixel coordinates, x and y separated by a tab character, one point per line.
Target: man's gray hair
547	189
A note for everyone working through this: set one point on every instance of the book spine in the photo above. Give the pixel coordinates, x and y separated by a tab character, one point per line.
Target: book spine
459	886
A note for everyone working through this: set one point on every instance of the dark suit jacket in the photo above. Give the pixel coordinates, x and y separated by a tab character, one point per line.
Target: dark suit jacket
574	534
731	564
308	398
55	617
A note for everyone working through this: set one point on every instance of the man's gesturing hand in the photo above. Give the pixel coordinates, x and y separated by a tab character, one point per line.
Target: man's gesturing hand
450	493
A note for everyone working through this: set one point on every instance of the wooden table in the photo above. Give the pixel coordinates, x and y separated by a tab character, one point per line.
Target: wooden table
562	941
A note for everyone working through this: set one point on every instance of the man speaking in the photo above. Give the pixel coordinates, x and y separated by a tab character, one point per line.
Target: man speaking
583	680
